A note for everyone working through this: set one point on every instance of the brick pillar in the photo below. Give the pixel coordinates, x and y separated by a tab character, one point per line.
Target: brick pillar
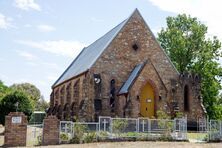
51	131
15	129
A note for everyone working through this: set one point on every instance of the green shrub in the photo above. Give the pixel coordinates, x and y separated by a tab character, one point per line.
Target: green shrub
132	134
103	134
75	140
79	131
165	138
164	124
89	137
179	115
39	140
119	126
64	137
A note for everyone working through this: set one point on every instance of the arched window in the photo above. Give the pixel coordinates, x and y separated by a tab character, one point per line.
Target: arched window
56	95
74	111
112	94
76	91
62	91
68	93
66	111
59	112
186	98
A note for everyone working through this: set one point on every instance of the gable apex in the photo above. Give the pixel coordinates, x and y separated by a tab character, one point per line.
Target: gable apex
89	55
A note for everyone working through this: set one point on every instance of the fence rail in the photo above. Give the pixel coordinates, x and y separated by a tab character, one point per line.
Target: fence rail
215	130
120	128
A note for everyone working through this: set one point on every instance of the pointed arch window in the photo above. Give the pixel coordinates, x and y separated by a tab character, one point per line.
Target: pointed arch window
186	98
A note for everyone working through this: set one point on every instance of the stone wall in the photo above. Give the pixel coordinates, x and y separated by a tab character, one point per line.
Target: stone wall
15	129
195	106
50	131
90	100
119	59
67	98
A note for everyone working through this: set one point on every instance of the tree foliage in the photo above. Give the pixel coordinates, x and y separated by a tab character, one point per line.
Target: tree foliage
186	43
41	105
3	90
31	90
7	104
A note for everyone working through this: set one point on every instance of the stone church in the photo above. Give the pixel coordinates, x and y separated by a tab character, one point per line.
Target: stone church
125	73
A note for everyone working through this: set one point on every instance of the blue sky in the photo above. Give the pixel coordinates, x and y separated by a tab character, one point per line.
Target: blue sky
40	38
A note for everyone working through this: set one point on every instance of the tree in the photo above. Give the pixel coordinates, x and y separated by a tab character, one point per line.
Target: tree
31	90
3	90
185	42
7	104
42	105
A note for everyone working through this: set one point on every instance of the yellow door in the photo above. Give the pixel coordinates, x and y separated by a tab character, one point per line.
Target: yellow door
147	101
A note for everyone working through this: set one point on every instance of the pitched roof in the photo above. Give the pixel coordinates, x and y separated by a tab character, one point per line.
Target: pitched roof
131	79
89	55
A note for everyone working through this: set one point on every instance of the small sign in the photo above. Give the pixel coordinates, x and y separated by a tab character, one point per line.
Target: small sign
16	119
148	100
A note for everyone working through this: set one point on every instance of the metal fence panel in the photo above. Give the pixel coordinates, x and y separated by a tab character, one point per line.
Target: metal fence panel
34	134
180	129
109	128
124	127
66	131
215	130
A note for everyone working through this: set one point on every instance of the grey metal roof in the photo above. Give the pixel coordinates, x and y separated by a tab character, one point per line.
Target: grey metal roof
131	79
89	55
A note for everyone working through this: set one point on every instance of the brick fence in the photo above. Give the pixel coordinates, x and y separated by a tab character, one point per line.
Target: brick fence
51	131
15	129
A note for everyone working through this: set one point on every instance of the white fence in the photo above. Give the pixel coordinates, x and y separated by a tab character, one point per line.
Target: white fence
215	130
123	128
34	134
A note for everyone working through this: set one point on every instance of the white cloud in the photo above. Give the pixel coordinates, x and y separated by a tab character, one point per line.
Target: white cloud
209	12
46	28
60	47
26	55
27	5
5	22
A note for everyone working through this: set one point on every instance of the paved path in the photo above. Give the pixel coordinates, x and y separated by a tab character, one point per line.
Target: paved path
141	145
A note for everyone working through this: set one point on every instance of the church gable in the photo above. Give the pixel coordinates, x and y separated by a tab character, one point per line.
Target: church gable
134	44
89	55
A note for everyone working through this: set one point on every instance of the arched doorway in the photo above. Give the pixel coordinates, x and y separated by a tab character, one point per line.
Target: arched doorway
147	101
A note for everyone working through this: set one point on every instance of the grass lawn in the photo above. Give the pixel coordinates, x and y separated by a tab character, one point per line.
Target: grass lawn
197	136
